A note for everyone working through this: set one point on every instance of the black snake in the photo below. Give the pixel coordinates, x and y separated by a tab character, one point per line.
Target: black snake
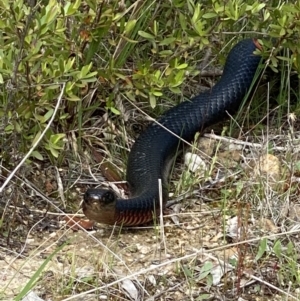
154	150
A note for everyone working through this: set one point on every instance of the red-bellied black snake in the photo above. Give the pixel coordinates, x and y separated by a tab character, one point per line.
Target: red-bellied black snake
154	150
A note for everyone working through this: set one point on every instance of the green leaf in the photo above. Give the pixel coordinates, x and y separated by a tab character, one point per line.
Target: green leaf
277	249
84	71
67	7
209	15
77	4
1	79
115	111
157	93
9	128
282	32
37	155
165	53
203	297
157	74
146	35
69	64
239	188
262	249
167	41
181	66
266	15
205	270
56	138
130	26
73	97
37	136
175	90
187	271
47	116
155	27
152	99
196	14
5	3
51	12
71	9
179	77
17	127
89	75
182	21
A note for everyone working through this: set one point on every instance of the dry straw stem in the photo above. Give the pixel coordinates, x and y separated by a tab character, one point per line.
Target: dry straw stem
37	141
244	143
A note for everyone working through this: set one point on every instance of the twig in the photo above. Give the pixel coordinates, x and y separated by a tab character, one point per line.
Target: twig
210	73
239	142
161	215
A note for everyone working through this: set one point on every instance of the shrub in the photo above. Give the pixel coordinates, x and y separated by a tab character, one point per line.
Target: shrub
102	49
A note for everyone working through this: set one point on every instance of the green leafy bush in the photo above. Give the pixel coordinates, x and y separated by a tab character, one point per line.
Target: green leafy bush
144	48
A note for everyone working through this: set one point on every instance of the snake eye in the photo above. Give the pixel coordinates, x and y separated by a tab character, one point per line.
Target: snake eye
100	195
108	197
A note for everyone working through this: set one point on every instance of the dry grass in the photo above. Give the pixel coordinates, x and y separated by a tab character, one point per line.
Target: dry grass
234	235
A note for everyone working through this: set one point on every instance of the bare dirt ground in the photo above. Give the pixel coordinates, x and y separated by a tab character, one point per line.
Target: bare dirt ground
209	247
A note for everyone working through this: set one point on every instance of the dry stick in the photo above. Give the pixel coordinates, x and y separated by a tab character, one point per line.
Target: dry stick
161	216
60	187
37	141
152	268
262	119
240	142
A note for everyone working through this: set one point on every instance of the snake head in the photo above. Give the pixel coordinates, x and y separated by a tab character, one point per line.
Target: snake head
99	205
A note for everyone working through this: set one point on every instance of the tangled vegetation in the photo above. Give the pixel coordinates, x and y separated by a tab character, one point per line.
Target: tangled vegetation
105	50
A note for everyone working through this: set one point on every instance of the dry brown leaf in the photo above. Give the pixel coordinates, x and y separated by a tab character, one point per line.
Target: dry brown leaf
267	225
74	222
130	289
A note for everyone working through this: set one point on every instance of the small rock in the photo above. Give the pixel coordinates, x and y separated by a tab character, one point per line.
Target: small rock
207	145
268	167
195	163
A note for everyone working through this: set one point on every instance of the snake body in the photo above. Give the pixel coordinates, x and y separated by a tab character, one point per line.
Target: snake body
154	150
